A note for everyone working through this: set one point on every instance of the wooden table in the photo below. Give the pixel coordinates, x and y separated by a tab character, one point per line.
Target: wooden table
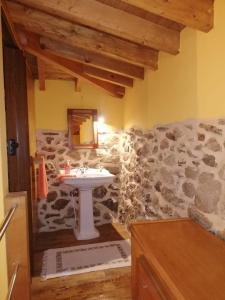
176	259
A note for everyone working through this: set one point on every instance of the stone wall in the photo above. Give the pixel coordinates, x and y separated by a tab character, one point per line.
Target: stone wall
57	211
171	171
174	171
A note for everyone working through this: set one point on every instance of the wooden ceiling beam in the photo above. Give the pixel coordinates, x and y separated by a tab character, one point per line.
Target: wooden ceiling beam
32	46
195	14
113	21
108	76
90	58
57	76
51	72
101	74
141	13
80	36
41	74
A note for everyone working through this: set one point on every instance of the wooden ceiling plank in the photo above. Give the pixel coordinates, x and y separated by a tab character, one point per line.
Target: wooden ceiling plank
96	73
108	76
32	46
80	36
90	58
41	74
113	21
195	14
51	72
139	12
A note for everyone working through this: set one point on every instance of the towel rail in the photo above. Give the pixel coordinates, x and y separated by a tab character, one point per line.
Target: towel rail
7	220
12	282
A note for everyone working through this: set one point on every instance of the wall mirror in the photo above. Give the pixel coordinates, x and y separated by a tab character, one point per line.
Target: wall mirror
82	128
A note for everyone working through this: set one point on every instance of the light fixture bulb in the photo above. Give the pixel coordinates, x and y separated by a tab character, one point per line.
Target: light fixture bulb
101	120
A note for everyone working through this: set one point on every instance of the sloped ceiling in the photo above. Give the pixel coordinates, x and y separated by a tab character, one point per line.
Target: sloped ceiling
108	43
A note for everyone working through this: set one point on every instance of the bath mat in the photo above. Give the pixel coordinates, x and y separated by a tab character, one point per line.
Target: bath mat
87	258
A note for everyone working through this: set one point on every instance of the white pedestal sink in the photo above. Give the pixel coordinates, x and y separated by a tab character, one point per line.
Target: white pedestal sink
86	181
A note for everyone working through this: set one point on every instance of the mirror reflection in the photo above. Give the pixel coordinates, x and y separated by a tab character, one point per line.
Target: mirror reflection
82	128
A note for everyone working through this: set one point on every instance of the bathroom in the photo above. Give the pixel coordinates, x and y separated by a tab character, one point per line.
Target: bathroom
157	133
53	143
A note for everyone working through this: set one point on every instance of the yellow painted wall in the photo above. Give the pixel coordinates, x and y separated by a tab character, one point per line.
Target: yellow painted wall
136	103
211	66
51	105
172	89
169	93
3	178
188	85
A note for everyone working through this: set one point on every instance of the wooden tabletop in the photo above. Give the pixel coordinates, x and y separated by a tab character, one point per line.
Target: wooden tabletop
185	256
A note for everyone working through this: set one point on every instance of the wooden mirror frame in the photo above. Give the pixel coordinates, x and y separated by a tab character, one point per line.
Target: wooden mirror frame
71	113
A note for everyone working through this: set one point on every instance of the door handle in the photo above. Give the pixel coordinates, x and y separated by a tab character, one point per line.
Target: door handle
12	147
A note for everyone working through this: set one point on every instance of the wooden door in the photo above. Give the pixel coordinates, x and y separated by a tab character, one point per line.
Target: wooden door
19	175
16	120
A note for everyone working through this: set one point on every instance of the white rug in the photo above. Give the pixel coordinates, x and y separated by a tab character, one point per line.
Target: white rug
80	259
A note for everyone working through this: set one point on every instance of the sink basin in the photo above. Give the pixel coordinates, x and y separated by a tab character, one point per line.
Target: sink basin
86	180
90	178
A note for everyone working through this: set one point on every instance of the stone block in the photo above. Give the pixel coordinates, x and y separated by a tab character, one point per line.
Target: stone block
208	195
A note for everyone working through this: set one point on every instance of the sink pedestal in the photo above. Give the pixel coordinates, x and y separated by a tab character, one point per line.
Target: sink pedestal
86	182
86	229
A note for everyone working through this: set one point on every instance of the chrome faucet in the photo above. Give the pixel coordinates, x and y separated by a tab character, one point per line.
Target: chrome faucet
100	168
83	169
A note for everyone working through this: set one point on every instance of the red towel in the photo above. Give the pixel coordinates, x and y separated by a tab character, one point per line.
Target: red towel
42	180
